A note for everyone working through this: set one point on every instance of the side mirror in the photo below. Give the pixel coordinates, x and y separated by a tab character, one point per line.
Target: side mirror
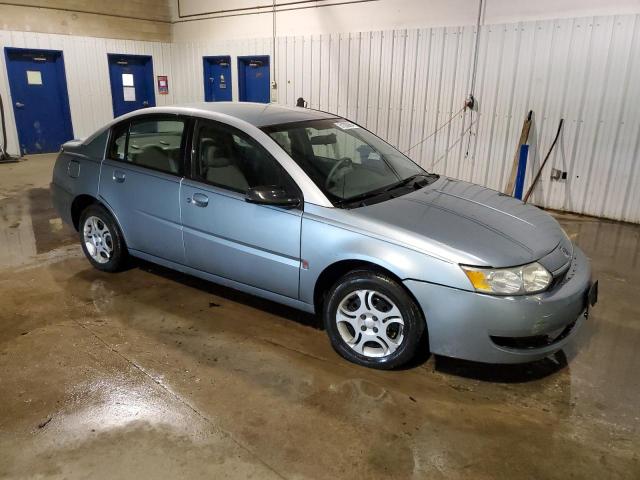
271	195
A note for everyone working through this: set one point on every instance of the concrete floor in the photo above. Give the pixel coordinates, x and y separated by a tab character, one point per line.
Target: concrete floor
153	374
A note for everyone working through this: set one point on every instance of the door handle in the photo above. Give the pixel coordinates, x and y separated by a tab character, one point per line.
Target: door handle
118	176
199	200
19	104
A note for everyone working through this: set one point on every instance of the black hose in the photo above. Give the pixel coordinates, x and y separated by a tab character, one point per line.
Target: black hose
537	177
3	147
4	156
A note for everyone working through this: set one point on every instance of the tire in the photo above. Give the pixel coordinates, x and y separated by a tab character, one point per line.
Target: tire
101	239
372	321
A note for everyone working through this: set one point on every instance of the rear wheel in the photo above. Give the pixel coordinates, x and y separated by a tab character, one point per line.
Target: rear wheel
101	239
371	320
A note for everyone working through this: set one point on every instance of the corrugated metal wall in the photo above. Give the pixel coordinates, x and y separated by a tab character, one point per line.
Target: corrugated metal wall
403	84
87	71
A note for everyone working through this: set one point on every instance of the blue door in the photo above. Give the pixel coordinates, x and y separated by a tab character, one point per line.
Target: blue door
253	79
217	78
40	99
131	82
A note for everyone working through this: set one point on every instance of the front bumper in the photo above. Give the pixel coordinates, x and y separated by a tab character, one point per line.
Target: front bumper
517	329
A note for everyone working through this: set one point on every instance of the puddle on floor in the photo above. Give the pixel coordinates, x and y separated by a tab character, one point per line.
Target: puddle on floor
30	226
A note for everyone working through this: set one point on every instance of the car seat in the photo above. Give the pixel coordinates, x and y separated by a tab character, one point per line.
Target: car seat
220	169
154	156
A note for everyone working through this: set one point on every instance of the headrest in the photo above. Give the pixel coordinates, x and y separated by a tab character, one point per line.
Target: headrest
213	156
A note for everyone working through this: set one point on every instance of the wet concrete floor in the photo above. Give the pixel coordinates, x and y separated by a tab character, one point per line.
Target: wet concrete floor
152	374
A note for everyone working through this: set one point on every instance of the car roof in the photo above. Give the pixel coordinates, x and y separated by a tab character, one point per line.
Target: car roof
257	114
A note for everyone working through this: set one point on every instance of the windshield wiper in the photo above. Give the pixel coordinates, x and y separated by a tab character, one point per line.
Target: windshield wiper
404	182
381	191
360	197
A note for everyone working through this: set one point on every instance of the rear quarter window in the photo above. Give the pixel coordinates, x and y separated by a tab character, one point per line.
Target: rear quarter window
96	147
117	151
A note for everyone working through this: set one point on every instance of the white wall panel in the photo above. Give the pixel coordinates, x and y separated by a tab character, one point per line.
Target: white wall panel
87	74
404	84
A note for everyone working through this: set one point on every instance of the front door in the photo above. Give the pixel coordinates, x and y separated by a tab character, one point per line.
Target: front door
223	234
40	99
140	180
217	79
131	79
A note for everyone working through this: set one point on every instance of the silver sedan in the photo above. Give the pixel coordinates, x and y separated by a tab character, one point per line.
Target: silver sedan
313	211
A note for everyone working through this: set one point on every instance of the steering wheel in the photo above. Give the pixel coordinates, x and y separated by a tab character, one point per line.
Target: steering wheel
342	163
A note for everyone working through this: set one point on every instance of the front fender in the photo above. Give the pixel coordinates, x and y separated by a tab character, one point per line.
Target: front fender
325	242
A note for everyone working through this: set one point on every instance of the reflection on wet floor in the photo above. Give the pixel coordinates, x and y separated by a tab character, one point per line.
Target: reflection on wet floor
29	225
612	245
503	373
153	373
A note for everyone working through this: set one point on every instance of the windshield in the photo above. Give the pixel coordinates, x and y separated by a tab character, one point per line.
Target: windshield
344	160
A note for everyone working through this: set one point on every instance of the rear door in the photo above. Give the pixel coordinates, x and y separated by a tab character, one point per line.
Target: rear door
224	235
140	180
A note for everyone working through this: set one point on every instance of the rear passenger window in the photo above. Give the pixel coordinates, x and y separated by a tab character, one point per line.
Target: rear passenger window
150	142
156	144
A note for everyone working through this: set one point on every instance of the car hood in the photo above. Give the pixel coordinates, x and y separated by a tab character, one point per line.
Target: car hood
465	223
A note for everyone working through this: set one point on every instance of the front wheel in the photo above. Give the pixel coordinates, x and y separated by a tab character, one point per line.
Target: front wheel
102	242
371	320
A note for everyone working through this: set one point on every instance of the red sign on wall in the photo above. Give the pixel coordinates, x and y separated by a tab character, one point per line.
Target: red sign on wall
163	85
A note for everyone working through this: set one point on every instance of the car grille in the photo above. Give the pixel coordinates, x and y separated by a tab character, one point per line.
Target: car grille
534	341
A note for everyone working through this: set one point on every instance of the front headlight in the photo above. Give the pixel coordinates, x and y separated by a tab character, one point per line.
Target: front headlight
521	280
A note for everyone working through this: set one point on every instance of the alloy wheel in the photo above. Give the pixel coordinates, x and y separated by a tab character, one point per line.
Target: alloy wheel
97	239
370	323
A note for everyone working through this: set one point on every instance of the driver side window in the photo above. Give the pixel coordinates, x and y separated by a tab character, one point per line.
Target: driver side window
231	159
